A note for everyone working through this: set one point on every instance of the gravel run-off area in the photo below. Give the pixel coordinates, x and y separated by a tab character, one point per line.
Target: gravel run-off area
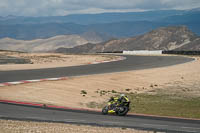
10	126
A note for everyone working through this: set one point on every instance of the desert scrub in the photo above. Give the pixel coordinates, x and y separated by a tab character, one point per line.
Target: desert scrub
113	91
165	105
104	92
83	92
127	89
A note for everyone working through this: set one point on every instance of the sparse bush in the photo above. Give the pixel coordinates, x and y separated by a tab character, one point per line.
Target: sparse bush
83	92
151	85
127	89
113	91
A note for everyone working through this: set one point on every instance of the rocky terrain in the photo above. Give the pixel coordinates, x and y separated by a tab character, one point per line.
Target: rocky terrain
193	46
165	38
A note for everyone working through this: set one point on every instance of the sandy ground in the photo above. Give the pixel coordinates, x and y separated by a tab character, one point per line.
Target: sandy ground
8	126
51	60
181	79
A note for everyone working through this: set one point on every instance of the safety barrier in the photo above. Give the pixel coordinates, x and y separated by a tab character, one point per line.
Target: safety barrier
143	52
182	52
154	52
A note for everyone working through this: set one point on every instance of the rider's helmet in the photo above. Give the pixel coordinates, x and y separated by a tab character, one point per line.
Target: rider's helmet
121	96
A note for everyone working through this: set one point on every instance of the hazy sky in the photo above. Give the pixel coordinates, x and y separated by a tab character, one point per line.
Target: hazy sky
65	7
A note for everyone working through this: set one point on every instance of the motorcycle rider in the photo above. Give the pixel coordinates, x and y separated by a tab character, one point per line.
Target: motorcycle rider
119	100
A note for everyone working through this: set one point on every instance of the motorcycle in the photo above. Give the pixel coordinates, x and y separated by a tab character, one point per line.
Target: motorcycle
113	108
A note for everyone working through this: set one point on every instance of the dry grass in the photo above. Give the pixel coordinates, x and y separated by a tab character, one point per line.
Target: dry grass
10	126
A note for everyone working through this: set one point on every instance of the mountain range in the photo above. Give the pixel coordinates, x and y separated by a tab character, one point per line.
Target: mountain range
165	38
107	25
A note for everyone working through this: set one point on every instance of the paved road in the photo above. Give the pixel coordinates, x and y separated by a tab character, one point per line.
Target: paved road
69	116
131	63
8	111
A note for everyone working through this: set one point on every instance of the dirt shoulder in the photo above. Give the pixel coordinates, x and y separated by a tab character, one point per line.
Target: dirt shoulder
51	60
10	126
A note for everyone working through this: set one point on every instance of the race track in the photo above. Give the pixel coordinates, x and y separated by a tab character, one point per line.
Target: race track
12	111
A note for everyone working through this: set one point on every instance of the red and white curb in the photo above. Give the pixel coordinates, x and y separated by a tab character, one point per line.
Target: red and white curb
32	81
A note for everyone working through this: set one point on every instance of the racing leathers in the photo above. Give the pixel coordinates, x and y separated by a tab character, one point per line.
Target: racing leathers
118	101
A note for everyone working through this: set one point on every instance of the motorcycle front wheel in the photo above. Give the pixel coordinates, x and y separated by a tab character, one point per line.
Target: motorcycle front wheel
105	110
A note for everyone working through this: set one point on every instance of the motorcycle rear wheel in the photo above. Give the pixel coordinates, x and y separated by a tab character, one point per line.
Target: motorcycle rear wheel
124	112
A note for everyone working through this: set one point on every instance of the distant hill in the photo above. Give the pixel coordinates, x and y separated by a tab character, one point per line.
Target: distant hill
95	37
165	38
106	31
39	31
42	45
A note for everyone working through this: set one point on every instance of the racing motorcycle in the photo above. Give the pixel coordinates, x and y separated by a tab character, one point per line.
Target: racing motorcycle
113	108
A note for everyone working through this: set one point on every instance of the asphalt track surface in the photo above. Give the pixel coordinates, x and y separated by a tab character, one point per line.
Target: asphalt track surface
19	112
39	114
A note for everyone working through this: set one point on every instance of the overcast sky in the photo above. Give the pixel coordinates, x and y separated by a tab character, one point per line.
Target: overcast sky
65	7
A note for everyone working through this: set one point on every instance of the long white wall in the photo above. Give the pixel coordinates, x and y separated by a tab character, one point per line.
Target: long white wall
143	52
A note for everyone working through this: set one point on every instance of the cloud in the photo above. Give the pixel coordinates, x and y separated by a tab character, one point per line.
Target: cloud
64	7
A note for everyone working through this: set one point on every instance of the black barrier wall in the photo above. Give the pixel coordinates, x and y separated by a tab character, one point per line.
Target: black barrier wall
182	52
111	52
